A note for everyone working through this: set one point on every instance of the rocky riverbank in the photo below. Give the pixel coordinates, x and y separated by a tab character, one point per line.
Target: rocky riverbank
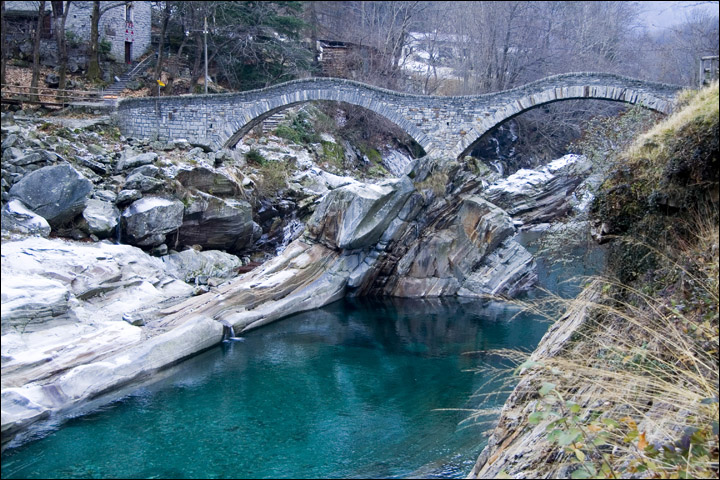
84	315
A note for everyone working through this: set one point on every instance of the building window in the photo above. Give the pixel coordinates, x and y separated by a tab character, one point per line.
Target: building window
128	13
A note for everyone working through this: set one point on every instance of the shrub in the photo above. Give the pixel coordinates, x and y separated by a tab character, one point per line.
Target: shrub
104	47
273	178
284	131
300	130
255	157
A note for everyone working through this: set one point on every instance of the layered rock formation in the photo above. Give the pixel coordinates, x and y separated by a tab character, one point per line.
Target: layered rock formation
539	196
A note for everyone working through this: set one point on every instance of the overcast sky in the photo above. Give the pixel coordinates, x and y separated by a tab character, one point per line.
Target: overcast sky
665	14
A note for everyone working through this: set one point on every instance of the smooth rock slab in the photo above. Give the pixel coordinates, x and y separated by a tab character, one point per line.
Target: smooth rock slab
29	301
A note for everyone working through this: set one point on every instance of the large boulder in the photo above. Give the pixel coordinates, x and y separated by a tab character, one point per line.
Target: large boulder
193	266
57	193
356	215
17	218
101	217
146	221
216	223
210	181
128	161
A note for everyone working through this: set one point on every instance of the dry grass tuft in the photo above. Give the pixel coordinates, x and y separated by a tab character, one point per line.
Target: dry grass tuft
650	360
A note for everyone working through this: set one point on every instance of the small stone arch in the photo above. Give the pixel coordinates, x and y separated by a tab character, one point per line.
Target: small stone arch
557	94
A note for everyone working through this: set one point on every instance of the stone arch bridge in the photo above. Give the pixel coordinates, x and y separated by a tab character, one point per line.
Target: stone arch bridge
445	126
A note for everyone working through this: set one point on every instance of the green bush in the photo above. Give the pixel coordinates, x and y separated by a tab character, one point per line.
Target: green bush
333	154
286	132
255	157
104	47
300	130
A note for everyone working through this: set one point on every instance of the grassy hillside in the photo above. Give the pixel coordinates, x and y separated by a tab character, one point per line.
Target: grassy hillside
633	391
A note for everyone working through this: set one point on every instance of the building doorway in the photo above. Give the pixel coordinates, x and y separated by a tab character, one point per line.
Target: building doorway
128	52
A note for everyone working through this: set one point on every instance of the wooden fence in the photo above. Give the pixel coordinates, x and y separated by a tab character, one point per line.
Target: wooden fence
46	96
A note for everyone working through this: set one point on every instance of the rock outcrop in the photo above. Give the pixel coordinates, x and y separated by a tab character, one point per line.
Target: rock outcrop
539	196
356	216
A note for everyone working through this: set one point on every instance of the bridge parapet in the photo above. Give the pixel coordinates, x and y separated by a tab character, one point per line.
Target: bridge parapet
441	125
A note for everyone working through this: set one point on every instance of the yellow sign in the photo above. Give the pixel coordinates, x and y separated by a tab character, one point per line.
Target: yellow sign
161	83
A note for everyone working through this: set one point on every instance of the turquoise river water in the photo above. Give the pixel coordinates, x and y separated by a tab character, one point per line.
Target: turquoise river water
363	388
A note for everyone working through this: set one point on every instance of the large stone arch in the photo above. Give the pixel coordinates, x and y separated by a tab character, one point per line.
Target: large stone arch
552	94
242	124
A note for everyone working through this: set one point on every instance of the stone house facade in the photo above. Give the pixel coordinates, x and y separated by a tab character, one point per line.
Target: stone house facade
126	26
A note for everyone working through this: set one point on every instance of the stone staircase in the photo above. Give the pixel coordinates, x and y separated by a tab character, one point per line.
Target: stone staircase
112	93
270	124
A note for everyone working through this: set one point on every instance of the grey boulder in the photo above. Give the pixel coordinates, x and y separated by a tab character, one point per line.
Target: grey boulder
146	221
57	193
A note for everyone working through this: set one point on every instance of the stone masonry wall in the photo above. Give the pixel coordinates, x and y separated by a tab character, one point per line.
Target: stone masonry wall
112	27
447	125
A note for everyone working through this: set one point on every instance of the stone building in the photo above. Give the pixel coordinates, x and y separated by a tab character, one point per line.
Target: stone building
344	59
126	26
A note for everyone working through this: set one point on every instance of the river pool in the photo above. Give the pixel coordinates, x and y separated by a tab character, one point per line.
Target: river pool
363	388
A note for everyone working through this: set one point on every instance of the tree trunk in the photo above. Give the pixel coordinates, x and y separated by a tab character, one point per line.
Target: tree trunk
93	71
161	47
59	17
198	61
36	53
314	35
3	42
